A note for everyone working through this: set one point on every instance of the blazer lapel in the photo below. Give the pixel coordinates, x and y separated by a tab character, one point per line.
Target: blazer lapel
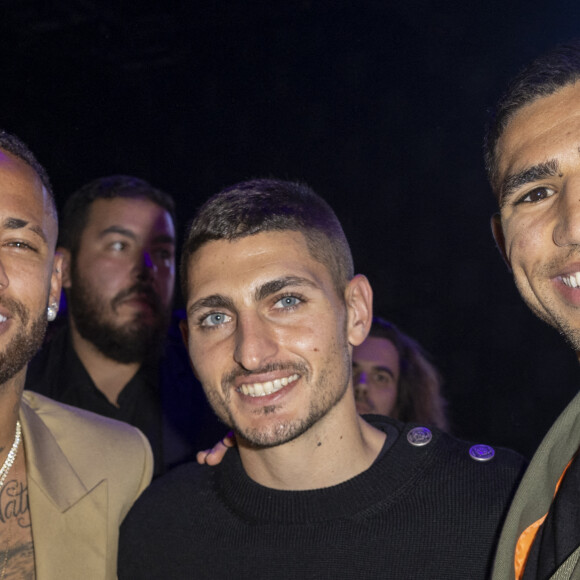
69	521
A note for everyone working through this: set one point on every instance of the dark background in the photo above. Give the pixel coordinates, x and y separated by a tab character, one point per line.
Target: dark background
380	106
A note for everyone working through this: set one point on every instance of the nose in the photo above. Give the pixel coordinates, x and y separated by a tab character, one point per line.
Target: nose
146	267
256	345
567	229
360	385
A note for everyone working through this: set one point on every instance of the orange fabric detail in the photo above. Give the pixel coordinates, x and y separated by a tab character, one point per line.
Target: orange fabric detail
526	538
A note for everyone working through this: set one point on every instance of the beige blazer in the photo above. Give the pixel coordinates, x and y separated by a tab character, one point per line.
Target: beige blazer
84	473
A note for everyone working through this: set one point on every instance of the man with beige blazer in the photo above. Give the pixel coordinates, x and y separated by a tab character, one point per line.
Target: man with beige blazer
67	477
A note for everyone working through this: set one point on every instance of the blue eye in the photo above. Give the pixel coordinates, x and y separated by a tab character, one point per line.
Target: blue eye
215	319
288	302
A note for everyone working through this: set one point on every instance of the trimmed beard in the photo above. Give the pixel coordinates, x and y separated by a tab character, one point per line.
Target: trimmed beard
325	398
131	342
26	342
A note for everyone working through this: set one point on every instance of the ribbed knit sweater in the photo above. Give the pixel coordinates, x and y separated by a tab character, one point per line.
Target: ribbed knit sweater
416	513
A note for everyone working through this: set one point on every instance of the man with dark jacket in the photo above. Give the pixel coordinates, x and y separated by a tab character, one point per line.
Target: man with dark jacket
119	353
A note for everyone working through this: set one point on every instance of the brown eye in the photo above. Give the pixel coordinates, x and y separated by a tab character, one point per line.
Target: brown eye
538	194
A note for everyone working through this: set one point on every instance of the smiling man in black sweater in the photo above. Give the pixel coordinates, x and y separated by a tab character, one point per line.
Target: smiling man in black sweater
313	490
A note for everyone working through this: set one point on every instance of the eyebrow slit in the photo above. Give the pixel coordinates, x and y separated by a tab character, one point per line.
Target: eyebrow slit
18	224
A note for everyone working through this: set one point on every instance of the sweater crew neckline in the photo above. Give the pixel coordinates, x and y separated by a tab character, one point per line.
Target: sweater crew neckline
254	502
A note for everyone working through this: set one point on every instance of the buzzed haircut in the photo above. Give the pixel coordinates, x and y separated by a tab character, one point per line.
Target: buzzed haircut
543	77
15	146
75	213
271	205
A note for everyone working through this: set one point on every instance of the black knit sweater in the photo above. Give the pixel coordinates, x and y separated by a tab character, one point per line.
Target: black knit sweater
417	512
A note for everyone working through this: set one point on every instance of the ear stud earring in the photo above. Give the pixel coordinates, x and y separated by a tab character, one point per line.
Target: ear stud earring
52	311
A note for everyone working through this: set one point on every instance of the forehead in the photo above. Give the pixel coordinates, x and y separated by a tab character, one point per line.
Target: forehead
377	351
23	196
138	215
543	129
224	266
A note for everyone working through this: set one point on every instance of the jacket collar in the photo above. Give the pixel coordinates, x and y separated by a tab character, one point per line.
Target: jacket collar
46	463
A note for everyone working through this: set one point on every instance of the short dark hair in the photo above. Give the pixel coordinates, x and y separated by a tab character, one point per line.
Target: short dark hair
18	148
419	396
75	212
266	205
543	77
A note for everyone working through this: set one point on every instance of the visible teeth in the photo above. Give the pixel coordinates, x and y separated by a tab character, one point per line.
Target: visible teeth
572	281
3	318
267	388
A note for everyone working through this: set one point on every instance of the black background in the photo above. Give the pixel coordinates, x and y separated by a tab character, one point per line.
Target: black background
380	106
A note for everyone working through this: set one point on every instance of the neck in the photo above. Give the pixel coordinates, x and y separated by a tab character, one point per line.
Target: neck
339	447
108	375
10	396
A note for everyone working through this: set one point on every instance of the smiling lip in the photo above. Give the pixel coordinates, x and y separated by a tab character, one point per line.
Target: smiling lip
5	320
571	280
268	387
567	284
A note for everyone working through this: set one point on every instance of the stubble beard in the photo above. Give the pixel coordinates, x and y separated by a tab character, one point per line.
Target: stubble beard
26	342
325	396
550	311
130	342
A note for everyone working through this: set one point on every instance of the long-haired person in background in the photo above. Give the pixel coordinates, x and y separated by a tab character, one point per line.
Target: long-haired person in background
392	375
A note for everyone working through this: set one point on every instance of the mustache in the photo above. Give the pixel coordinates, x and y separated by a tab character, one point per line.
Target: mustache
15	309
139	289
229	378
556	265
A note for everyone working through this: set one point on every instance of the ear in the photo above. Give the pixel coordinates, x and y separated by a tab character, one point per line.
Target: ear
66	258
184	332
55	280
498	236
185	337
358	297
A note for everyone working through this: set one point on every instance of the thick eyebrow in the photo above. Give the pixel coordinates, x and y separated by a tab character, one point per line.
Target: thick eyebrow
17	224
164	239
213	301
161	238
273	286
118	230
378	368
513	182
262	292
